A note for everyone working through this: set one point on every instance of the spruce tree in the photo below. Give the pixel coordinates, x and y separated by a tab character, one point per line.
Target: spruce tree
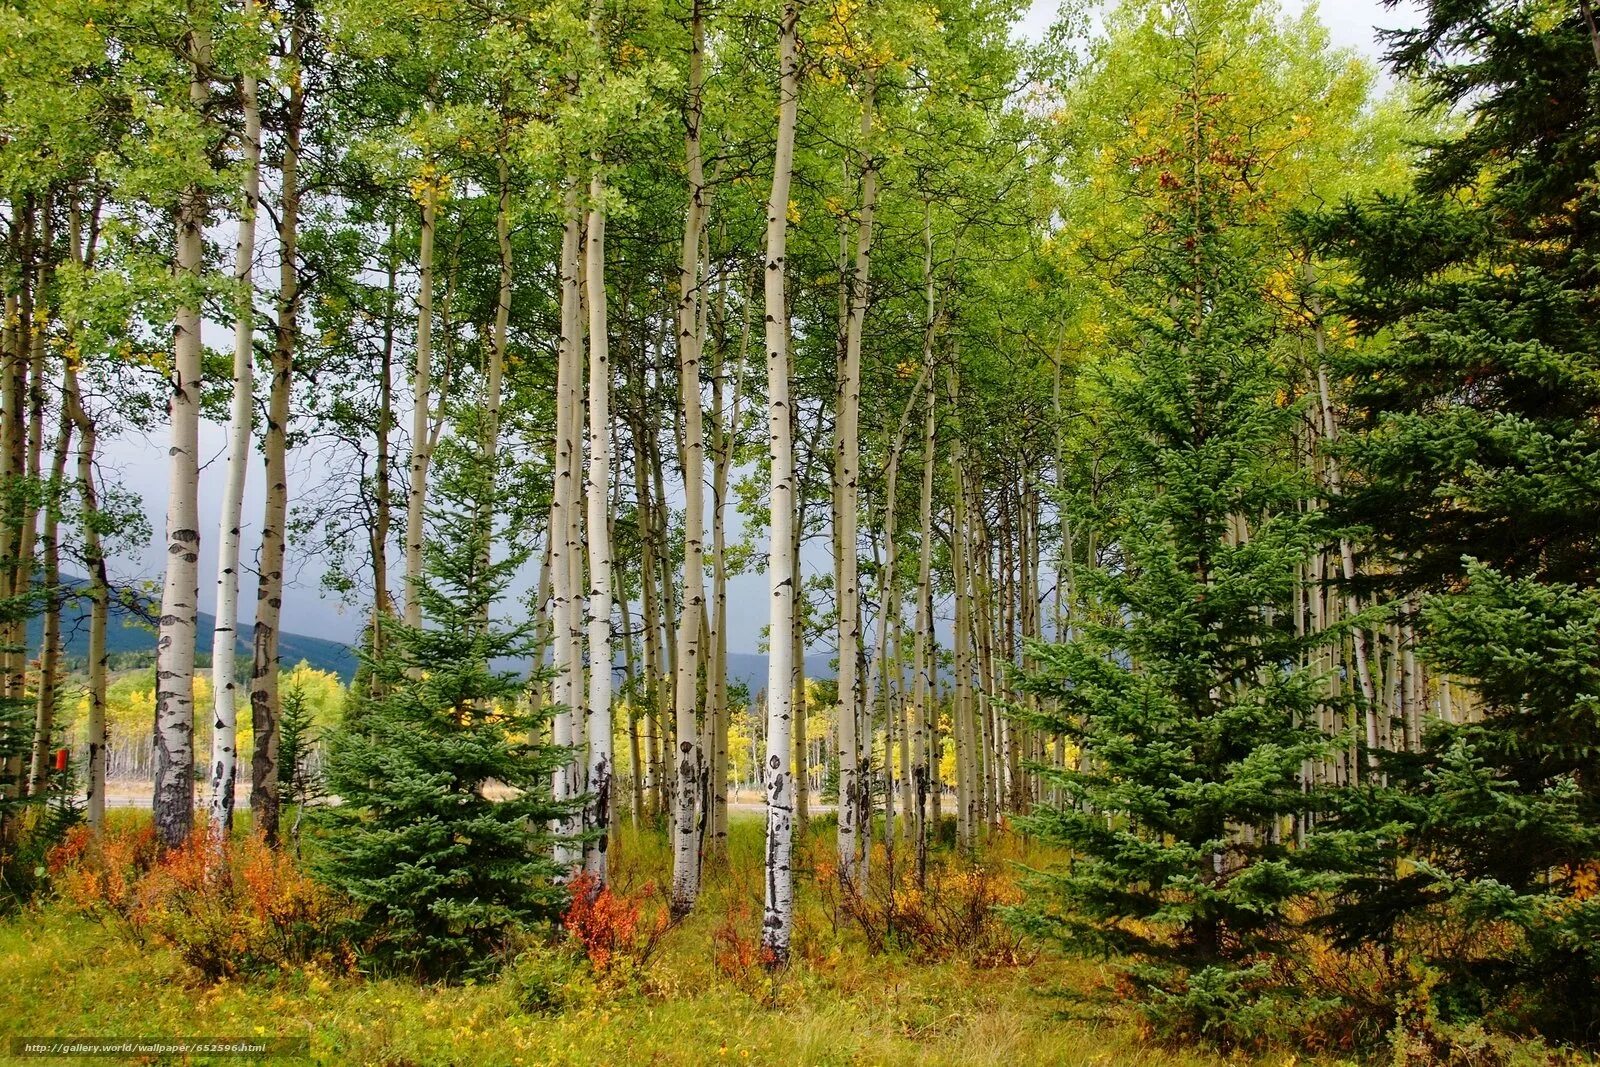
1475	462
444	871
1184	690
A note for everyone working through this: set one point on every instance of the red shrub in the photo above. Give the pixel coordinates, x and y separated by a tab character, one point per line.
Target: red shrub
607	923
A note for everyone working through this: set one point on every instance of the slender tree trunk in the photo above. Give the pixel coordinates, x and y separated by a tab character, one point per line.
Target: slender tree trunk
173	798
925	762
421	394
494	375
635	756
99	601
778	914
599	495
688	758
50	651
650	614
225	637
726	428
82	254
888	674
855	791
382	606
565	576
13	383
265	708
34	337
802	707
542	638
967	800
16	533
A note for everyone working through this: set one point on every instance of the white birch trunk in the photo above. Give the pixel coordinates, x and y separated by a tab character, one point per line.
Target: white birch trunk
225	638
265	706
598	719
563	589
173	798
887	670
855	806
421	394
728	435
100	606
924	759
777	922
689	757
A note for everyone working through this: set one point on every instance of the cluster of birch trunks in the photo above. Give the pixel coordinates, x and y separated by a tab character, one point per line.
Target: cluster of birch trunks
926	661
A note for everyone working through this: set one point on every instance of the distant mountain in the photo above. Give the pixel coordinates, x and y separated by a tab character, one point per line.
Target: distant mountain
129	634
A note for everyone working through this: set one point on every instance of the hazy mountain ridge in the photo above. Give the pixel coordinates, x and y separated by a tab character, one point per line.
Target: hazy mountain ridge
130	633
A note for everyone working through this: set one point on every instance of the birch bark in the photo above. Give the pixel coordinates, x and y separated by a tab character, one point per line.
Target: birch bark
264	704
173	798
855	794
225	637
688	758
777	921
598	720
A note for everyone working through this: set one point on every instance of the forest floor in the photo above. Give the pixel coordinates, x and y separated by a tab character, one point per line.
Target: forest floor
691	1002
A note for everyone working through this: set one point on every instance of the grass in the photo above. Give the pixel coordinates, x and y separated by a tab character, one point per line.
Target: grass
65	975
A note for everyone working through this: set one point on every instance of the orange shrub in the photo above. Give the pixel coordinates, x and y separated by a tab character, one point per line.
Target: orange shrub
100	877
735	953
608	926
955	914
226	907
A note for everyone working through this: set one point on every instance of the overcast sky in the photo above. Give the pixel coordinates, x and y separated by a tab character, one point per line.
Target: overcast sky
140	463
1350	22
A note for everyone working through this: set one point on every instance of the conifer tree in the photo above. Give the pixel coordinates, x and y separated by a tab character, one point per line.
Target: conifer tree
1473	447
444	872
1185	692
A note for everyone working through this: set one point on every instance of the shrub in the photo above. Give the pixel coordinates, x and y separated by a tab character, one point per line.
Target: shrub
956	913
547	980
42	823
607	924
226	908
100	877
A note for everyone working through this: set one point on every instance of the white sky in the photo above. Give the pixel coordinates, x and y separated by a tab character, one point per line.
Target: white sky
1350	22
140	462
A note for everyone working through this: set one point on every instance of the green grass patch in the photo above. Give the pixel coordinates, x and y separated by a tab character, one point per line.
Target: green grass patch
67	976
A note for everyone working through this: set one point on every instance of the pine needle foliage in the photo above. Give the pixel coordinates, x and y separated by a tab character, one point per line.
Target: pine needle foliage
1476	462
1185	690
442	830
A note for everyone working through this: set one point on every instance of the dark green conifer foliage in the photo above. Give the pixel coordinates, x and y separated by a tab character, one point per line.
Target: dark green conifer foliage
16	732
1184	690
1475	477
442	871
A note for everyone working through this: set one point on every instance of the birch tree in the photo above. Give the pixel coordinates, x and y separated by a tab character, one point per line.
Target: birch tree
855	803
598	491
265	709
777	921
173	798
689	757
224	737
